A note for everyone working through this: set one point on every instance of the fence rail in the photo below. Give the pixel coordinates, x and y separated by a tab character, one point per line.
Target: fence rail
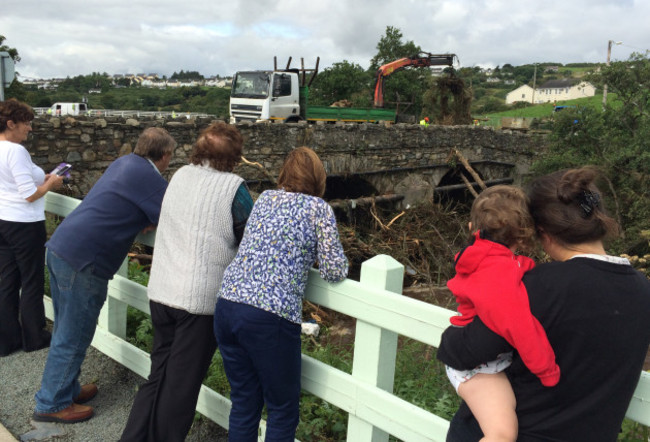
130	113
366	394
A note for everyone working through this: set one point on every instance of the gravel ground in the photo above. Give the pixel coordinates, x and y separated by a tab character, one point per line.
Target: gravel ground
20	377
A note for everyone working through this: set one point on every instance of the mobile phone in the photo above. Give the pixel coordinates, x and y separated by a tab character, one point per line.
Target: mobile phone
62	169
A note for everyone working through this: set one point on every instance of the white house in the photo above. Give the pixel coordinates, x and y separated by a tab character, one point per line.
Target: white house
552	91
522	93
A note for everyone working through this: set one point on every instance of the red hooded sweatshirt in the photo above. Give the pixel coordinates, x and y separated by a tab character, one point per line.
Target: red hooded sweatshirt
488	284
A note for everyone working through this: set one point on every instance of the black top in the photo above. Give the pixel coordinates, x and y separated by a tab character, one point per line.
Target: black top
597	317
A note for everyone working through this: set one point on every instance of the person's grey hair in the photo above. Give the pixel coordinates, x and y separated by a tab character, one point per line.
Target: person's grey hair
154	143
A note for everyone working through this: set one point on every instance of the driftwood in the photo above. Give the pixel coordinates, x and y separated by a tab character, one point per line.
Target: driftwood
469	185
366	201
259	166
456	153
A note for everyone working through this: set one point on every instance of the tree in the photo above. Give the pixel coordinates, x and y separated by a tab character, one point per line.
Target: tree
342	81
524	74
187	76
15	90
407	85
391	48
13	52
616	139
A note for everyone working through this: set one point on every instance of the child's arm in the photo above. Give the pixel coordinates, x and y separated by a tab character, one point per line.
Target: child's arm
464	348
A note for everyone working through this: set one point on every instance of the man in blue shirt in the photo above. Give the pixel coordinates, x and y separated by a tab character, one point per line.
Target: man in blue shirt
83	254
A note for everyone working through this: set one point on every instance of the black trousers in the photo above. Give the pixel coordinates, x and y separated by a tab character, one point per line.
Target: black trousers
183	346
22	267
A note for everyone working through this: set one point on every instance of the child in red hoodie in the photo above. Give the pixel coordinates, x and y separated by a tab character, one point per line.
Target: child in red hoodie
488	284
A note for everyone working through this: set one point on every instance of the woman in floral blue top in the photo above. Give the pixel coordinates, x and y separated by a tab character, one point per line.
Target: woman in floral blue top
258	315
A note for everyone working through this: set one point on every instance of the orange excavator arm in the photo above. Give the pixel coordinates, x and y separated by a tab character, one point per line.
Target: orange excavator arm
423	59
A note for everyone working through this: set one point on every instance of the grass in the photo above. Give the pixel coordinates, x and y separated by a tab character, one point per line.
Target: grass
544	110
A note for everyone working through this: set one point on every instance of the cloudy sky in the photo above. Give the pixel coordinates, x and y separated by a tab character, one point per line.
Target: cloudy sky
72	37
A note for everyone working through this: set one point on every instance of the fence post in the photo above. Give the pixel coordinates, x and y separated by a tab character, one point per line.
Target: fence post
112	317
375	349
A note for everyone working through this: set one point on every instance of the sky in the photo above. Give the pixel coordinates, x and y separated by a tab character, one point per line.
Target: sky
62	38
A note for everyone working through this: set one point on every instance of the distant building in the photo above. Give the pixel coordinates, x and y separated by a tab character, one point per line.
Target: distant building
522	93
551	91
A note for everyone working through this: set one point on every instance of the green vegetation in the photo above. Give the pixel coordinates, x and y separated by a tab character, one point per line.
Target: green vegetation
614	139
210	100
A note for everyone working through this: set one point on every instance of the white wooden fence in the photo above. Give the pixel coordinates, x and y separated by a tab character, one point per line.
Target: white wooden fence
366	394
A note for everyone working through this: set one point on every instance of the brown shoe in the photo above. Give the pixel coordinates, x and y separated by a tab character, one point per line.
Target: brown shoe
87	392
71	415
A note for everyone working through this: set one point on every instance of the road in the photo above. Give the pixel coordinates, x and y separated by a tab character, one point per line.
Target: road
20	375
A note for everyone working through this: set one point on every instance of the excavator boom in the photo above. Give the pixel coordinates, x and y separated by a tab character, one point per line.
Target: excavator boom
423	59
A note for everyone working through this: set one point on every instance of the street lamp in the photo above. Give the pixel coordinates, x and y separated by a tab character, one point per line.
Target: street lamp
609	54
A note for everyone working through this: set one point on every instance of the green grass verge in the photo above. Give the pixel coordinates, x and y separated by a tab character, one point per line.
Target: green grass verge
544	111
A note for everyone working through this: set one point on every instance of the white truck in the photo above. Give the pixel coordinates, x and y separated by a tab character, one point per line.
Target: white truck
58	109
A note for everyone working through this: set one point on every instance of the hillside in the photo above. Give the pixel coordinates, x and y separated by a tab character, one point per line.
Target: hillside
542	111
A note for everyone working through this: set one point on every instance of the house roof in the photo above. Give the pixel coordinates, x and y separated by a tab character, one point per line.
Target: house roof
558	84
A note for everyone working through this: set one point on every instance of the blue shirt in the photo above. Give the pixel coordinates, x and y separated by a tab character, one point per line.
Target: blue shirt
100	231
286	234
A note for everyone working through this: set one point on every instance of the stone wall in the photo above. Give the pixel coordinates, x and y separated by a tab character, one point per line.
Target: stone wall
374	151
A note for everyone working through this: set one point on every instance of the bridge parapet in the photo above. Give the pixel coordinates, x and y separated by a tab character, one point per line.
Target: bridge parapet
370	150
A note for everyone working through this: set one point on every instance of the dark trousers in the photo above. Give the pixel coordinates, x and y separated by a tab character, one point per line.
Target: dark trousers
183	346
261	356
22	268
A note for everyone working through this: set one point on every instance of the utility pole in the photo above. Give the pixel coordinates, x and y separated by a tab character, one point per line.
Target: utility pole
609	54
534	83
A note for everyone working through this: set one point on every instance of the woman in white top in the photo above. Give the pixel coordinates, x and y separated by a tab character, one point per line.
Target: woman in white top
22	234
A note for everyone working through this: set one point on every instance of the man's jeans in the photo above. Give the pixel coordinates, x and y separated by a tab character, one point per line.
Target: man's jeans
77	298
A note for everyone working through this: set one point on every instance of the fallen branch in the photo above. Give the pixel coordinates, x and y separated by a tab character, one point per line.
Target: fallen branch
469	185
395	219
261	167
373	212
455	152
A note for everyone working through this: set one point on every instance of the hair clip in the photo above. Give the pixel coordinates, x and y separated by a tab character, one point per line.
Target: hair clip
588	202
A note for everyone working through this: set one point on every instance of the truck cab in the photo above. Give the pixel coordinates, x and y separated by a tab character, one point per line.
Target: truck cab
265	95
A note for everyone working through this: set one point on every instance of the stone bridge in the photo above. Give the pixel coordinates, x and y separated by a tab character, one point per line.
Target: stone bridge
361	159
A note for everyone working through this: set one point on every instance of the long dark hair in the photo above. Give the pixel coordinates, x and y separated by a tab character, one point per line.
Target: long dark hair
568	206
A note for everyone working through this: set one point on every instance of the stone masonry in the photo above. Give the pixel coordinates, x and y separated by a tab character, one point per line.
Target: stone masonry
389	157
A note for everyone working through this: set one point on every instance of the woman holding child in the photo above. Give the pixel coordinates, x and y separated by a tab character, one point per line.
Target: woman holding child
595	310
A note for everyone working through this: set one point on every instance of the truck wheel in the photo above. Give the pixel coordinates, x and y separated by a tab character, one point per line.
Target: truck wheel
293	119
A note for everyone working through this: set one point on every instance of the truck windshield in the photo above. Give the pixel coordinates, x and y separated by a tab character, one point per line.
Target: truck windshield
250	85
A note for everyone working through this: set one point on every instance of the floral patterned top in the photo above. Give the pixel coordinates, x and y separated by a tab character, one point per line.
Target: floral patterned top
285	235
